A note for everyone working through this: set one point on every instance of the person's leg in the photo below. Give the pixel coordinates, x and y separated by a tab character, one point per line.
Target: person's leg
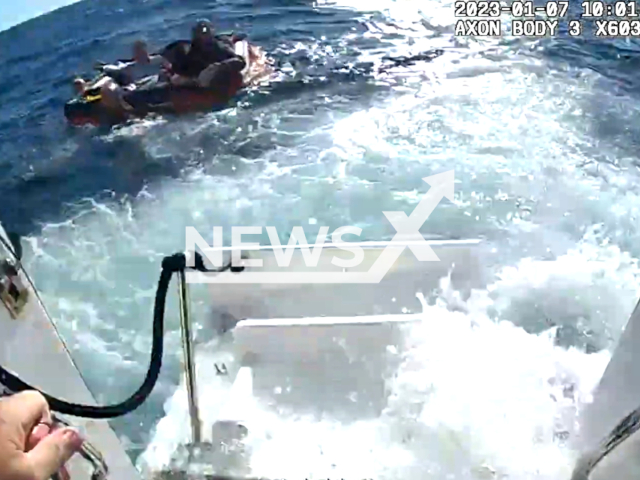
180	81
221	78
208	76
112	98
101	82
80	86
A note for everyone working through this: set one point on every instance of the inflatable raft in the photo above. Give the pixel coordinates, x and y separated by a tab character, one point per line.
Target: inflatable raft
154	96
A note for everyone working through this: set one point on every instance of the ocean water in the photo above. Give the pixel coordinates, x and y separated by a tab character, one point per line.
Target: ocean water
541	134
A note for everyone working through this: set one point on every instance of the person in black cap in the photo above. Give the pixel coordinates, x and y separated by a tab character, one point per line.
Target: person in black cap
210	61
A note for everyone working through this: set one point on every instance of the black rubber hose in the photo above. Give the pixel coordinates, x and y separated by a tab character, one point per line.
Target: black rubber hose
170	265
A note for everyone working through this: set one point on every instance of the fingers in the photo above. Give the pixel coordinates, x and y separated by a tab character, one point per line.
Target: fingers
37	434
64	474
29	407
47	451
53	451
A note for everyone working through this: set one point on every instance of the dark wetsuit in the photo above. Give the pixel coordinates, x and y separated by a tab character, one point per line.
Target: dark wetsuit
199	58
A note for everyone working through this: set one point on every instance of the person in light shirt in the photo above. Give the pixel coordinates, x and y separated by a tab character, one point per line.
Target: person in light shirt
142	65
122	77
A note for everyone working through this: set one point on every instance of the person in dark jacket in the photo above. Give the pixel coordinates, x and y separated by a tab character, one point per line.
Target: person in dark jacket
209	63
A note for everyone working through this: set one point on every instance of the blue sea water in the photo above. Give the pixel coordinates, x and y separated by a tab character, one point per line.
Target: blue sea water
542	135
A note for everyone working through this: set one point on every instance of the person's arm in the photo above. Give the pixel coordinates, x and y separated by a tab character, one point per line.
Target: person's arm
177	46
174	51
126	106
158	60
117	68
233	60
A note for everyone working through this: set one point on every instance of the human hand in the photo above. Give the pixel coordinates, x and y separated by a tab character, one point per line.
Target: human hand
29	448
